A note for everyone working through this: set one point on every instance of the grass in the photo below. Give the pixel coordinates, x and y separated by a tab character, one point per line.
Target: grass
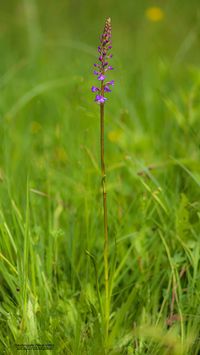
51	245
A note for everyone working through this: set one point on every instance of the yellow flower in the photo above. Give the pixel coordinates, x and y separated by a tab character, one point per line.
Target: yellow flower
61	155
35	127
115	136
155	14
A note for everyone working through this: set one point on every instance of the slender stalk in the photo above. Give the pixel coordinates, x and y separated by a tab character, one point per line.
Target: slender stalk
101	71
105	216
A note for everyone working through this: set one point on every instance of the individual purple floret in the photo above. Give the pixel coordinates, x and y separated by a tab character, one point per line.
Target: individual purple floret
111	82
94	89
100	99
101	77
103	65
107	89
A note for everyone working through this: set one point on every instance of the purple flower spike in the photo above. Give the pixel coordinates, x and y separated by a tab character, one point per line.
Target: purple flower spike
101	77
100	99
103	66
94	89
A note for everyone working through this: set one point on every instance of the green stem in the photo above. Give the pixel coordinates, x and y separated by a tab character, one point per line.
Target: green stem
103	182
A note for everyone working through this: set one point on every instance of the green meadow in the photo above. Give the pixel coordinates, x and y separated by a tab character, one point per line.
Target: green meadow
51	216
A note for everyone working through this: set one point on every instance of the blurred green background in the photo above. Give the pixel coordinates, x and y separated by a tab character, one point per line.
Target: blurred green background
48	51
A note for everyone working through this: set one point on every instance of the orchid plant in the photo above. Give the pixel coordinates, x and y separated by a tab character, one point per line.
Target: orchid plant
101	70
